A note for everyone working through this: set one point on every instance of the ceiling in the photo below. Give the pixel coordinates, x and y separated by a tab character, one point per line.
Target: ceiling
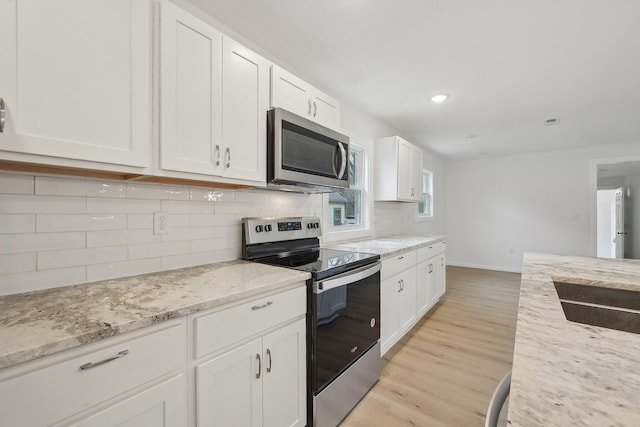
508	66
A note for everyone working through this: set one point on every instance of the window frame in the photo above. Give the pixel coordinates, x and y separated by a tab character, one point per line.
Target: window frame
419	215
353	231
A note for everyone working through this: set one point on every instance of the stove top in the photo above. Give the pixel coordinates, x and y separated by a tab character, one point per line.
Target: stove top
320	262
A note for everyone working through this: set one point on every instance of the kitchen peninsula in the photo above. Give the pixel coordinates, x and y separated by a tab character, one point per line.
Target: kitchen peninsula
567	373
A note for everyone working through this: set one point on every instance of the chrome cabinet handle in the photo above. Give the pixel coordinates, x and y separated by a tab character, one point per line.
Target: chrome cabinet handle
269	356
258	307
217	150
2	115
399	287
401	257
309	105
315	108
402	286
107	360
227	154
259	366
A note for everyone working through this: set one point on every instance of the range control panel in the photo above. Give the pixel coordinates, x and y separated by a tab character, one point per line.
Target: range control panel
263	230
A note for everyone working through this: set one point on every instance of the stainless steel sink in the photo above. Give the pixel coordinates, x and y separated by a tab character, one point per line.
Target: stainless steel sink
612	308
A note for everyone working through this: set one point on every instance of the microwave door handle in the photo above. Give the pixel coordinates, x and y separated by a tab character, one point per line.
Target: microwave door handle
343	165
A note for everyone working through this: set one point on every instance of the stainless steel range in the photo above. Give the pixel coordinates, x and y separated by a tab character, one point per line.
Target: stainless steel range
343	314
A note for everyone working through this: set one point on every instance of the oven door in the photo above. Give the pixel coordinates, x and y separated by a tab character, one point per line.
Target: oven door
303	152
345	321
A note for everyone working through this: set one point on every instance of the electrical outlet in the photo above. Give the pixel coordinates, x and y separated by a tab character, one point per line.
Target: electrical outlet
160	225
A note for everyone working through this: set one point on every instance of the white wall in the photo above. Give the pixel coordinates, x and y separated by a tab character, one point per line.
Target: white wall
499	208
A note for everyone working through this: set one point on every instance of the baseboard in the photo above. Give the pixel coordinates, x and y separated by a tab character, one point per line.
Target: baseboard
484	267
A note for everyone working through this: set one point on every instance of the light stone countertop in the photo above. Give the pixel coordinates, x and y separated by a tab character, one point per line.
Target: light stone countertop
567	373
388	246
35	324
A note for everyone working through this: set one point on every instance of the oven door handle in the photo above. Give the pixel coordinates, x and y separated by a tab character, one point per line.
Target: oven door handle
346	278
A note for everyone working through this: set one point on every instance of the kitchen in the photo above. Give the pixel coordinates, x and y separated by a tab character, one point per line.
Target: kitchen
59	230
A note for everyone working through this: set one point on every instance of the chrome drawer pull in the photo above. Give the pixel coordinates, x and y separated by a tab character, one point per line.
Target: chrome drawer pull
258	307
107	360
217	151
259	366
2	115
269	355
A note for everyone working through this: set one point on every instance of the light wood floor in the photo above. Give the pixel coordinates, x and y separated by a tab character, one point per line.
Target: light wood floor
444	371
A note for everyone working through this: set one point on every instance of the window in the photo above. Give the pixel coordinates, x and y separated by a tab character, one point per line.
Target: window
425	206
345	205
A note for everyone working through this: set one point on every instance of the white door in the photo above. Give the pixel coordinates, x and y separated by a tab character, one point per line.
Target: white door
619	238
290	93
229	388
163	405
76	79
407	310
190	93
245	95
433	289
404	170
389	327
285	373
423	279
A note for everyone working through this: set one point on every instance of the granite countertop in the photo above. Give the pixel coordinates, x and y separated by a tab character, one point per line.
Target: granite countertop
388	246
39	323
567	373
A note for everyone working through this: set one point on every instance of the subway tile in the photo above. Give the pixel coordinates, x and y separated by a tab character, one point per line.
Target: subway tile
204	245
189	207
54	186
153	250
178	220
84	256
139	221
57	223
16	184
188	233
22	204
240	209
187	260
156	192
198	220
17	263
210	195
124	206
120	237
226	254
114	270
36	280
229	231
10	224
252	196
20	243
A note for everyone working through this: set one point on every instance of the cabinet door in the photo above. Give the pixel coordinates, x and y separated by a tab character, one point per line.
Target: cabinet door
284	383
389	324
433	288
405	180
407	301
229	388
290	93
442	274
245	94
416	174
325	110
163	405
190	93
76	79
423	279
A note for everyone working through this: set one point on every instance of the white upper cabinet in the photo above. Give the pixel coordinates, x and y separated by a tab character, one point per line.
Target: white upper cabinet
294	94
213	101
397	170
190	93
75	77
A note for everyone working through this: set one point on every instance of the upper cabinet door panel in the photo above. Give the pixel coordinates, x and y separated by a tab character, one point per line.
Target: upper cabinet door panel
190	93
326	110
245	95
289	92
404	170
76	79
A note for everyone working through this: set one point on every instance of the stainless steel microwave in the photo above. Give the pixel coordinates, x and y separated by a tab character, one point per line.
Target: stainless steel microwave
304	156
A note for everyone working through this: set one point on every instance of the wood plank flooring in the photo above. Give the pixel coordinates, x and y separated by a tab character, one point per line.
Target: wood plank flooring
444	371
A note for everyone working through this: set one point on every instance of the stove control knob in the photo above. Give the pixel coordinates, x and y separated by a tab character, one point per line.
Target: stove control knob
267	227
316	225
258	229
310	225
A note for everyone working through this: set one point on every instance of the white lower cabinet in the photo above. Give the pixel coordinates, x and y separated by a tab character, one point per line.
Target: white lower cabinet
412	283
137	379
260	380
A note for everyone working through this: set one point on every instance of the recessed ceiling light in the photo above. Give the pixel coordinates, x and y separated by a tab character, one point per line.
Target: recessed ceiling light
439	98
552	121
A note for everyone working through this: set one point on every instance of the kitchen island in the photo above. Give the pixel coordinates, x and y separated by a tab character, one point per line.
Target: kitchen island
567	373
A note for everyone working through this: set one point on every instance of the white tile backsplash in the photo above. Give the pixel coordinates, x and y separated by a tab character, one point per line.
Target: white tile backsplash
84	256
21	204
16	184
128	206
35	242
41	279
152	250
17	223
17	263
114	270
51	223
157	192
53	186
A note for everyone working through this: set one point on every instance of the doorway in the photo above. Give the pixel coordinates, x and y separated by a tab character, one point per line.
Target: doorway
611	232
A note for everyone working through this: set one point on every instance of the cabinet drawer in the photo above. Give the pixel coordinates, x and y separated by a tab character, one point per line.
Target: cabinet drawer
48	394
397	263
220	329
442	246
432	250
